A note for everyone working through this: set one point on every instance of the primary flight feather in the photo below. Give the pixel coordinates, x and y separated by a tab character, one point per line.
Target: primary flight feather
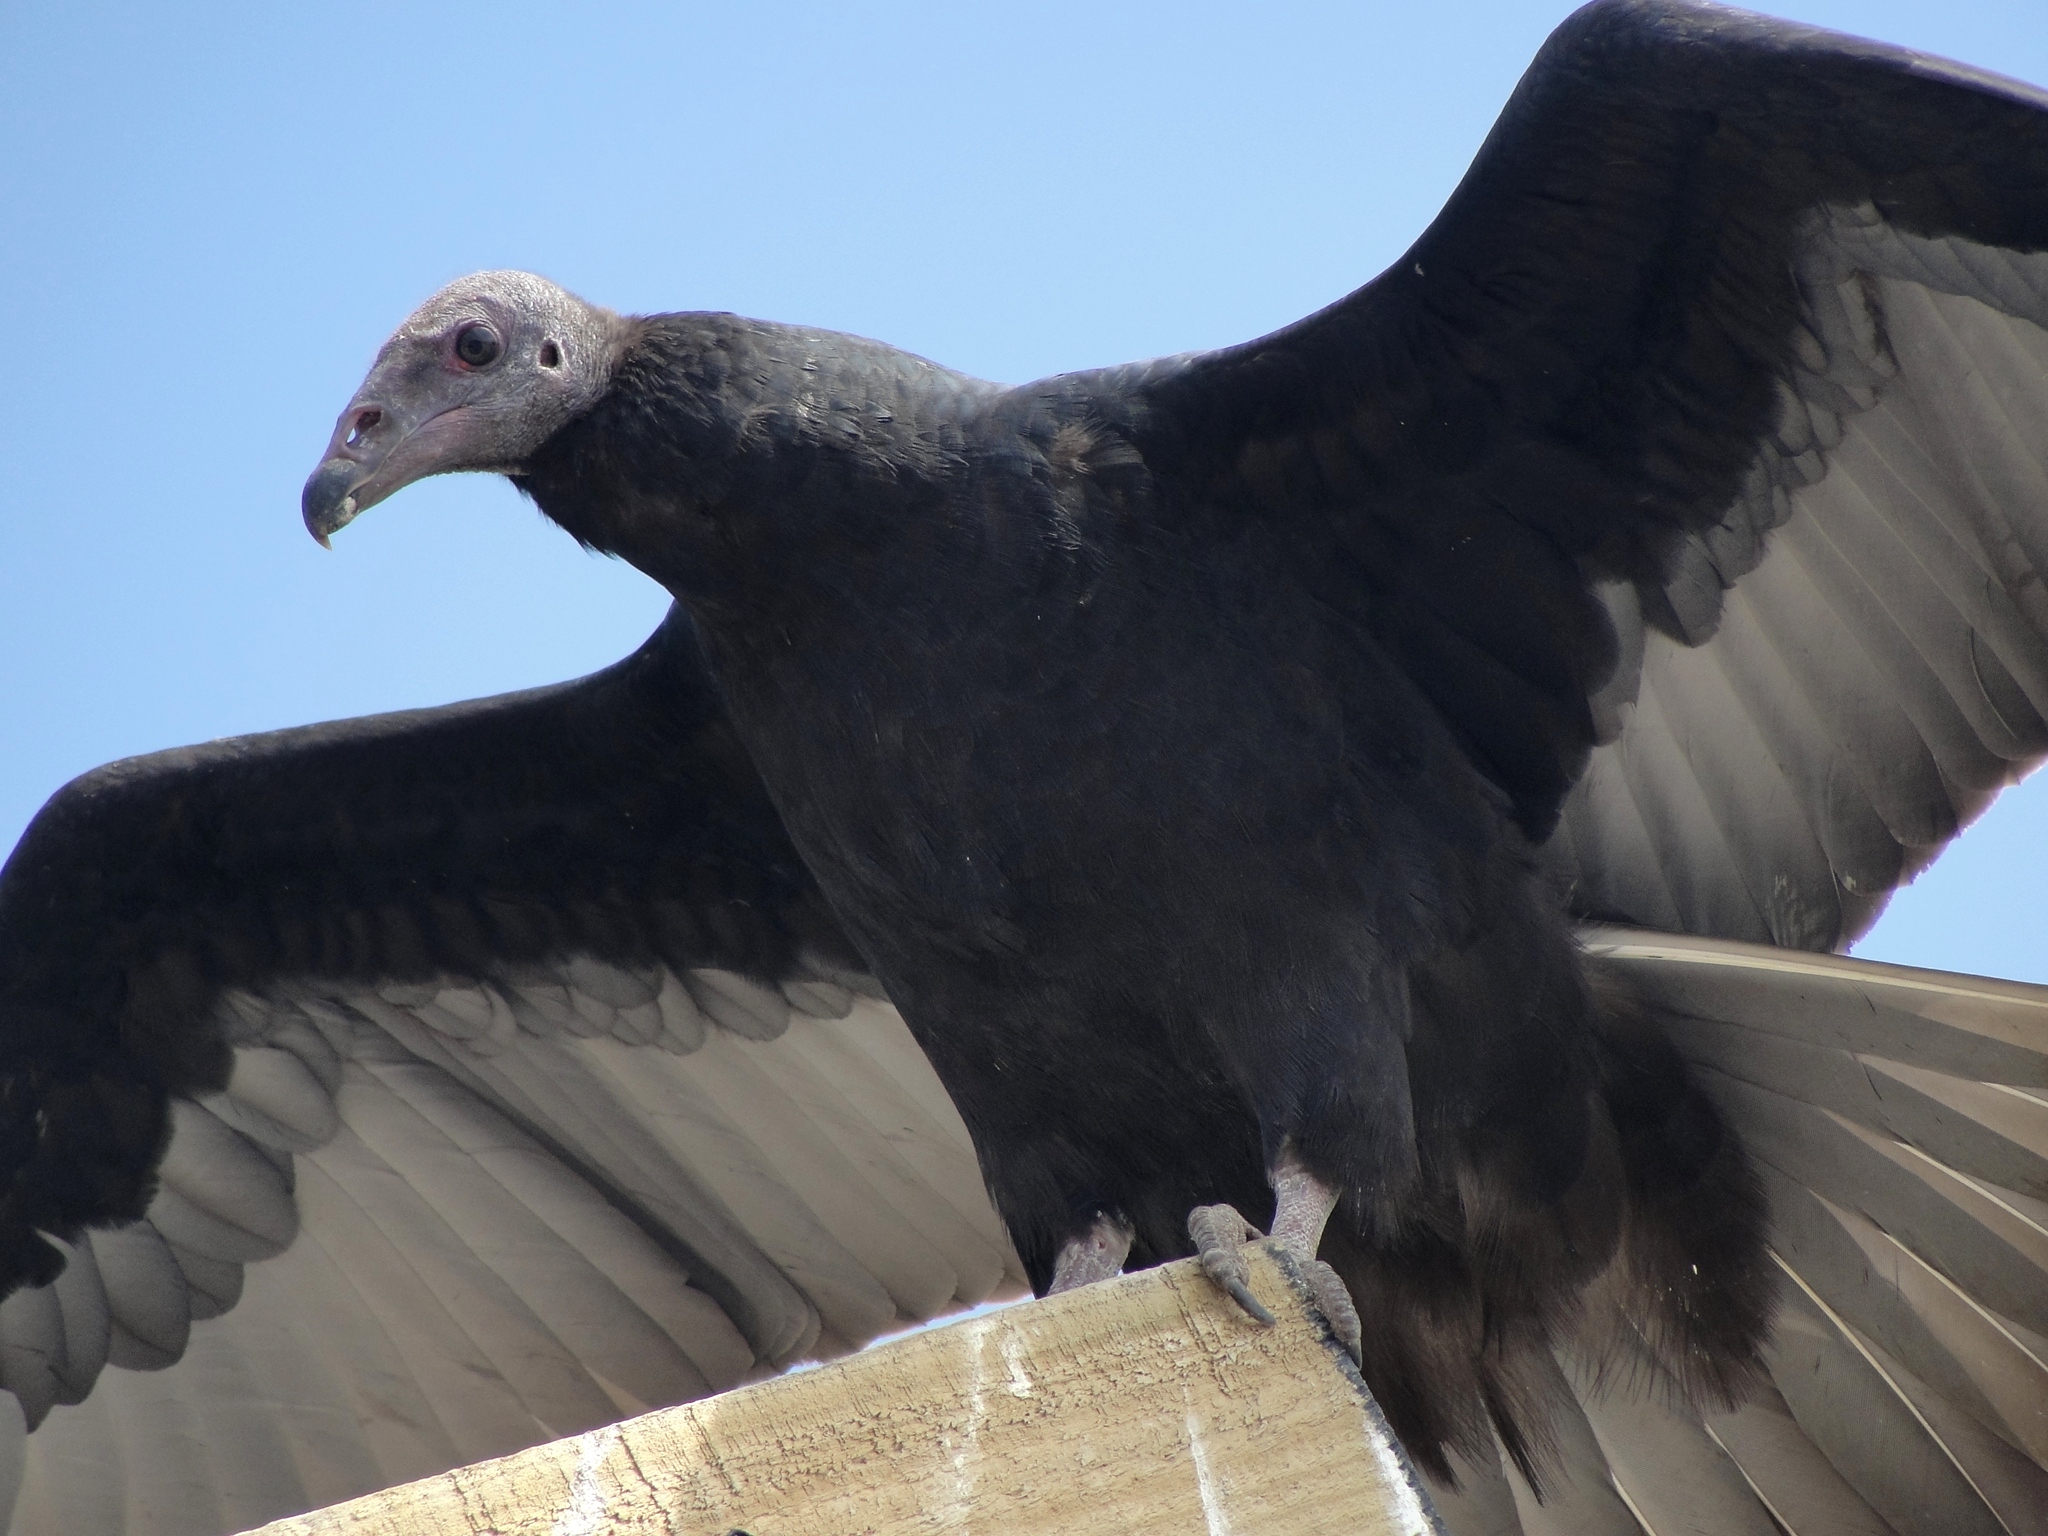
1208	759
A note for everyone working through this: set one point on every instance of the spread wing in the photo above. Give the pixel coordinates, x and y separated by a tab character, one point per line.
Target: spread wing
405	1091
1692	462
1899	1120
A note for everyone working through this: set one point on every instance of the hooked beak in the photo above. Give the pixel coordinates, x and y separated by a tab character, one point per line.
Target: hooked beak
328	501
376	450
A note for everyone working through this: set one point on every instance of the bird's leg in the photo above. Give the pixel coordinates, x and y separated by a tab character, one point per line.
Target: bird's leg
1097	1254
1301	1209
1301	1205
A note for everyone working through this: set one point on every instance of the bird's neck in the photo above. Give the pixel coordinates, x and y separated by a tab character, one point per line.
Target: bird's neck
854	533
729	453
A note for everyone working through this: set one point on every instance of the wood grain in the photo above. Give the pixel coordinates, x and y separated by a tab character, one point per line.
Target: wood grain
1144	1404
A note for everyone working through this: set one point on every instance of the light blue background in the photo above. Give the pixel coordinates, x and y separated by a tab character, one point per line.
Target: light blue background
210	215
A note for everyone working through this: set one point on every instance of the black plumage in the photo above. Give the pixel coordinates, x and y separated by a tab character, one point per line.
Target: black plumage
1141	831
1209	758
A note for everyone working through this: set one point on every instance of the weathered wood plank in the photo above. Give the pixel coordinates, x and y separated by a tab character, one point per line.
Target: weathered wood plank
1145	1404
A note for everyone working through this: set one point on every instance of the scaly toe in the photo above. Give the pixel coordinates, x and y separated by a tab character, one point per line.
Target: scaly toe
1333	1300
1220	1234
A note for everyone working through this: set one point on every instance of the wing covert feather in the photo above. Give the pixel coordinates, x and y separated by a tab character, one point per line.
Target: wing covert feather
500	1074
1729	345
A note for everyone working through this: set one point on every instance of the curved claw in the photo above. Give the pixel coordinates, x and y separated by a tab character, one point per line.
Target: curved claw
1242	1295
1219	1232
1333	1300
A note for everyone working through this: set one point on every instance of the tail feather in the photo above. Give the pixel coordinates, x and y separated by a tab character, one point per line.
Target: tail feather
1898	1121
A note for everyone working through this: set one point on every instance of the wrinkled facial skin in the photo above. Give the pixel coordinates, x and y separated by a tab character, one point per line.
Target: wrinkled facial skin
481	375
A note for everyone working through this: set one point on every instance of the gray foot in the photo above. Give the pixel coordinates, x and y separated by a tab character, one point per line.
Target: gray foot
1302	1206
1220	1234
1333	1300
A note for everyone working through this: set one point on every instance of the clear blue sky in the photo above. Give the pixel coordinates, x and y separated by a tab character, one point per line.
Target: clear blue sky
213	214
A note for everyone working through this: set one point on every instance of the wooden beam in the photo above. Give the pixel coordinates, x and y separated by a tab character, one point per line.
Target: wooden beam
1144	1404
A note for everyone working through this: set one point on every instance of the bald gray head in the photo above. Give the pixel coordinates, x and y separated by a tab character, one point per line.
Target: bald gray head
481	375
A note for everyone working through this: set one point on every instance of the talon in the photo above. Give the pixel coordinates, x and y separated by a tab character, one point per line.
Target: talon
1333	1300
1242	1295
1220	1233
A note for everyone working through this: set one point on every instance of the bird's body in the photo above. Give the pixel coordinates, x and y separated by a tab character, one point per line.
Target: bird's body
1263	904
1210	759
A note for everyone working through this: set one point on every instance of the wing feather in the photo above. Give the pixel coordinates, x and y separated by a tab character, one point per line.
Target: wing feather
1707	885
564	1103
1483	1503
1673	1475
1907	541
433	1086
1792	1477
1583	1498
1729	344
1899	1124
1905	1306
1909	1371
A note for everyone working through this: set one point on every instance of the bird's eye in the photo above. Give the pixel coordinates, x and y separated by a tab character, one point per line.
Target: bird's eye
477	345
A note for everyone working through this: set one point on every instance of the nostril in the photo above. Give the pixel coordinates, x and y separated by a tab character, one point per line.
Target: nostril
550	355
364	424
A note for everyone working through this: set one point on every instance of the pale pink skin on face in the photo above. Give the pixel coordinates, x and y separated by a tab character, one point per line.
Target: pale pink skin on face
424	410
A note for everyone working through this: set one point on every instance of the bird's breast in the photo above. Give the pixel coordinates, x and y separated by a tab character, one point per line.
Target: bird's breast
1122	757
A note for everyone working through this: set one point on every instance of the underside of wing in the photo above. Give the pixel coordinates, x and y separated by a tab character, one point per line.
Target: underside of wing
1900	1121
402	1092
429	1224
1844	671
1693	464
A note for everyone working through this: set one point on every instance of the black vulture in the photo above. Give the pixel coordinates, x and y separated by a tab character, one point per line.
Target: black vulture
1418	766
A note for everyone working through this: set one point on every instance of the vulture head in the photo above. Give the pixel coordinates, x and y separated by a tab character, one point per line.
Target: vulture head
482	374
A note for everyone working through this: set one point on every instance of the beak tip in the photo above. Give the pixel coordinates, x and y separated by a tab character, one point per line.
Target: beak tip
329	501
